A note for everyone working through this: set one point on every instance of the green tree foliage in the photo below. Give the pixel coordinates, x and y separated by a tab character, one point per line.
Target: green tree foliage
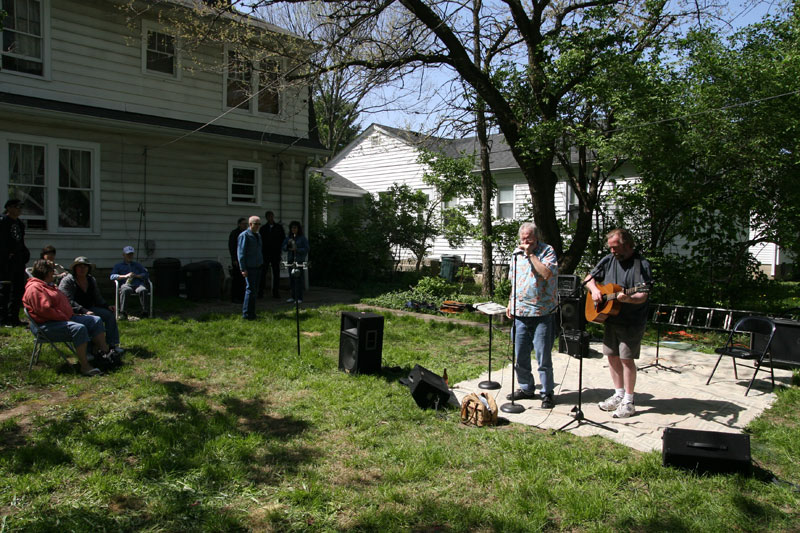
730	161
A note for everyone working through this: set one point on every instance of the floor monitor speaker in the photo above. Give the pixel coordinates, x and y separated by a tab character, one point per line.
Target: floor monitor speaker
429	390
361	343
706	451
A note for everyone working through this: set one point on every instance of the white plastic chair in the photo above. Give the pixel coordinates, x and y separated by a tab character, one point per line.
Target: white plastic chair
116	298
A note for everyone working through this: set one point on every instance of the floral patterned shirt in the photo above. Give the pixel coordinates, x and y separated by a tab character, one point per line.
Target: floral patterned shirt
535	296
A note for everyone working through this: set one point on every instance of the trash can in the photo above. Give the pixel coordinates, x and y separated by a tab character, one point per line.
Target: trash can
216	278
203	279
448	268
167	277
196	277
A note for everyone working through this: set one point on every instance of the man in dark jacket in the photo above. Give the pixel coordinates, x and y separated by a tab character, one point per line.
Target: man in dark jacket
13	257
237	281
272	236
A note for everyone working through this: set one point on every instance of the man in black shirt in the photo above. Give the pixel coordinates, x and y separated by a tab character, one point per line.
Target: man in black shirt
237	281
13	257
272	235
622	339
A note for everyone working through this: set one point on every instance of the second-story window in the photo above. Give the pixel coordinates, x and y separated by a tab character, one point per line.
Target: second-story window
239	80
268	83
252	85
160	53
23	43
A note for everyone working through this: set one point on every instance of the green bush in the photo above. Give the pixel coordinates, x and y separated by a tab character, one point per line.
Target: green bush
436	287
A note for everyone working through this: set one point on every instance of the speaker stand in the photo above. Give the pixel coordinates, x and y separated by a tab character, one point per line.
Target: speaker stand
489	384
577	411
512	407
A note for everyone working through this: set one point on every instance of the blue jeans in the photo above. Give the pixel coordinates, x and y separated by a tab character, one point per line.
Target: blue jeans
537	333
79	329
109	322
252	282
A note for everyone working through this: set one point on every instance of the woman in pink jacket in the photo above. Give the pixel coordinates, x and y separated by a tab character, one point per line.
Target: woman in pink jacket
52	312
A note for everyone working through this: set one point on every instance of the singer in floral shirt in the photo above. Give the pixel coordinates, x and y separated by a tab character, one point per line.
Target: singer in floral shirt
533	304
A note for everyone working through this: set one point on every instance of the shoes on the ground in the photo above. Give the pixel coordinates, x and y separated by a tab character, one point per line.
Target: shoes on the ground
118	349
548	402
521	394
93	372
624	410
611	403
133	318
299	301
290	300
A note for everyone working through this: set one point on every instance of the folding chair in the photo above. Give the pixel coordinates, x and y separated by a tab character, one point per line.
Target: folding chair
41	339
116	298
749	325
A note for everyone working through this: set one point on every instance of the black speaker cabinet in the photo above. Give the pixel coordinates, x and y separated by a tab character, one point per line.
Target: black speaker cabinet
785	348
706	451
429	390
572	314
575	343
361	343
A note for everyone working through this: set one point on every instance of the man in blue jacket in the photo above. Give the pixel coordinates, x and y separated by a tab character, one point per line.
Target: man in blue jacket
251	261
133	278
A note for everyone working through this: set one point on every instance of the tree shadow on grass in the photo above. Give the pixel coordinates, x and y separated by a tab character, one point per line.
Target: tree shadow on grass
181	449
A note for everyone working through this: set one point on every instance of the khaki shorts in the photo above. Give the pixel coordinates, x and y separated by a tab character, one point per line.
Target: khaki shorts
624	341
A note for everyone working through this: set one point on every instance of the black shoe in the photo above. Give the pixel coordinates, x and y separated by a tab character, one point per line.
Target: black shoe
520	394
548	402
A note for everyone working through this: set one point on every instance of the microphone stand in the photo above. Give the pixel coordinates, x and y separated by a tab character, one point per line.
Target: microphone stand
577	411
513	407
297	266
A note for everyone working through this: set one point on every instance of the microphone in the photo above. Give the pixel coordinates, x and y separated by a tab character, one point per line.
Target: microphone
518	252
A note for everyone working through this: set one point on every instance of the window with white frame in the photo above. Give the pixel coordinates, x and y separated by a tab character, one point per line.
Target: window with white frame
573	206
505	202
58	181
244	183
23	36
159	52
258	81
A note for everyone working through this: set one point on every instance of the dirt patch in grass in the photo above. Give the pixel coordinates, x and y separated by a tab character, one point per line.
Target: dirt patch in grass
41	400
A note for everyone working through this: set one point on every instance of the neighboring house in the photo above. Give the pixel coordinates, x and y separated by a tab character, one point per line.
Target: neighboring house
382	155
112	135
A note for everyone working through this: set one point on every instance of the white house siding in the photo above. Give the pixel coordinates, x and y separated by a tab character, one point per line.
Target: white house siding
186	204
96	61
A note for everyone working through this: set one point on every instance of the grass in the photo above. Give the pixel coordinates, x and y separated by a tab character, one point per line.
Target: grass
215	424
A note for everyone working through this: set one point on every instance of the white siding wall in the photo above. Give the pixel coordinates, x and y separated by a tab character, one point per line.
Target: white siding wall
186	201
96	61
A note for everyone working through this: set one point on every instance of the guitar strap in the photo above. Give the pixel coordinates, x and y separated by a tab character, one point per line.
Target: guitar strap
637	271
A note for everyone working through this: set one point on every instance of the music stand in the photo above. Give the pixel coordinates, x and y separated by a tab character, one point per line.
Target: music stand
297	266
656	364
577	411
491	309
513	407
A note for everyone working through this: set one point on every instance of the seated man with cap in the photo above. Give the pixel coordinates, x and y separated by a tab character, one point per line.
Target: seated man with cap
51	311
80	288
133	277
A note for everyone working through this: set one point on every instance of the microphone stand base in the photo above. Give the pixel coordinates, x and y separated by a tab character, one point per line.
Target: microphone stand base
512	407
488	385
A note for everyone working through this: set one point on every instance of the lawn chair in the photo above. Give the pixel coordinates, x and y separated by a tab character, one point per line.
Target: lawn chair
752	325
116	298
41	339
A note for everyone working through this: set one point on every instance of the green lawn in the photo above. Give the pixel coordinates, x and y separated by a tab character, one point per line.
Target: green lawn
216	424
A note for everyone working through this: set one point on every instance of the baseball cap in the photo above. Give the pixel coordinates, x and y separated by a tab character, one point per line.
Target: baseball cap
128	250
13	202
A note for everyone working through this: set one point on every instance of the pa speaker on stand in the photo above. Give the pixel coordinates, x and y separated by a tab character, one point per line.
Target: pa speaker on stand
361	343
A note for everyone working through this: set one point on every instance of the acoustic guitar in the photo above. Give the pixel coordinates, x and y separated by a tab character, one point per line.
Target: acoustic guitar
608	305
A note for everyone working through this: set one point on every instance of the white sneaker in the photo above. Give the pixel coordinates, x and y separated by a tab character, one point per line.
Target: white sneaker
611	403
624	410
290	301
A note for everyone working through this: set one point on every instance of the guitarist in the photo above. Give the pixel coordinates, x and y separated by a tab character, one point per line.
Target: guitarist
622	339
